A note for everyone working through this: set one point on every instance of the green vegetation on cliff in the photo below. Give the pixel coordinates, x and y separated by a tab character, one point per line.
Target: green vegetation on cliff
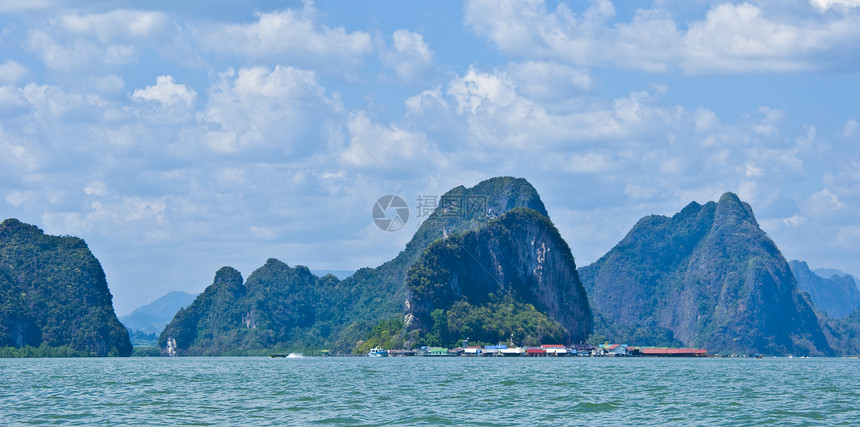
278	307
53	293
706	277
513	276
282	308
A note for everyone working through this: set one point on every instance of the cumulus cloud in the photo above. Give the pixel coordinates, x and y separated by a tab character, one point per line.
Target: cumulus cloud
12	100
823	202
115	25
292	34
729	38
16	198
263	108
409	56
96	188
543	79
167	93
824	5
388	148
12	72
75	41
148	213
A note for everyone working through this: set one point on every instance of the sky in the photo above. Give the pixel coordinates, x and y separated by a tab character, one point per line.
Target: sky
179	137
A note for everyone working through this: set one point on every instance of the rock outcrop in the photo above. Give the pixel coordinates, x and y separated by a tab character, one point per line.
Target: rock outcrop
706	277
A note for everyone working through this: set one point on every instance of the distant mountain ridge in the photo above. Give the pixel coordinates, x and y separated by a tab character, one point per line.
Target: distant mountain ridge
827	273
837	296
53	292
153	317
706	277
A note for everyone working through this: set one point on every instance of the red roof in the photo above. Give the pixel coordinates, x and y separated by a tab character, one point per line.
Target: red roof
673	351
613	347
552	346
535	350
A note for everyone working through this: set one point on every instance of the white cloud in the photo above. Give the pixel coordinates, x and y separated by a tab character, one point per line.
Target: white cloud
263	108
850	129
769	122
752	171
478	88
730	37
96	188
823	202
409	55
294	34
540	79
426	100
794	221
18	154
388	148
167	93
740	38
824	5
116	25
76	42
123	215
110	84
16	198
12	72
12	100
706	120
263	233
589	163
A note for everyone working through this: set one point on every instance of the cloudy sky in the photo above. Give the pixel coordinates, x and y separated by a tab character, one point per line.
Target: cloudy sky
180	136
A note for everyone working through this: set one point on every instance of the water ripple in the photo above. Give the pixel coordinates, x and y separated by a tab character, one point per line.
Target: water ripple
427	391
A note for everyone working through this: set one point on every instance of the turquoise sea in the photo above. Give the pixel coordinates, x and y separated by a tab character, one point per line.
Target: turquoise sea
429	391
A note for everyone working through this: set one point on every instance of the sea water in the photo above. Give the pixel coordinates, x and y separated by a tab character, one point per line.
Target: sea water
429	391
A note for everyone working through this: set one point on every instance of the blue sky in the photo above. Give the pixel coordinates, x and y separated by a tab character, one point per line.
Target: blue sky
178	137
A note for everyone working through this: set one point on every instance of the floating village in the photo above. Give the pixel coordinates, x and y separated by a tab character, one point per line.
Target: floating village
546	350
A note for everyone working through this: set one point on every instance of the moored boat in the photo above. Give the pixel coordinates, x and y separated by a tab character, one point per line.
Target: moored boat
378	352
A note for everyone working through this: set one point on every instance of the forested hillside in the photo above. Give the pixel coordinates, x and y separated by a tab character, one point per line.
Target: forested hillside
53	293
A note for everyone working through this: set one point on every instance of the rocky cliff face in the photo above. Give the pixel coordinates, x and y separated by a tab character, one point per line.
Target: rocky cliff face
707	277
282	307
520	255
274	308
373	294
53	291
837	296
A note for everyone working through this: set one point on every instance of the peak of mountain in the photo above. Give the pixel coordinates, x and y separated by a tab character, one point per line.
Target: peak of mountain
517	264
271	309
732	212
837	296
53	291
706	277
381	292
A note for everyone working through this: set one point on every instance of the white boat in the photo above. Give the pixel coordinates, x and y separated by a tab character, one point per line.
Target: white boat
378	352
